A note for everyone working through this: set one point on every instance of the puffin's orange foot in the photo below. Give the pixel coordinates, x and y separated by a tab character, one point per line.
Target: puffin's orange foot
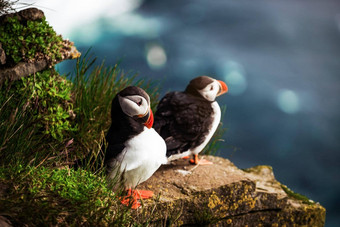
201	162
185	157
134	195
143	194
135	205
127	201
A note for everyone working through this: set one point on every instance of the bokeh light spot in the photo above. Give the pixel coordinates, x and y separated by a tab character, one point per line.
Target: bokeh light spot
288	101
235	78
155	56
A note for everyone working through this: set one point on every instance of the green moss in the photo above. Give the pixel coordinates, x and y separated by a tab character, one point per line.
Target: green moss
37	196
258	169
297	196
50	98
25	41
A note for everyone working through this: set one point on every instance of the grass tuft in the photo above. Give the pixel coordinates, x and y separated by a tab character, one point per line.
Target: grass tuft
94	87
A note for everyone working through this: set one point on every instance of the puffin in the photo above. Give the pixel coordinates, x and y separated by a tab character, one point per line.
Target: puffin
187	120
133	150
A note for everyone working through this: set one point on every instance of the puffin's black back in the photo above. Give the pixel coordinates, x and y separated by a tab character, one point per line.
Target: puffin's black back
182	120
122	126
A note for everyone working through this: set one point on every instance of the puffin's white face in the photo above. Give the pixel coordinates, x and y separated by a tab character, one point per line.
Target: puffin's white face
134	105
211	91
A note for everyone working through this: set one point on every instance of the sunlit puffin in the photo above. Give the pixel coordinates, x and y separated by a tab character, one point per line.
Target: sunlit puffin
187	120
134	149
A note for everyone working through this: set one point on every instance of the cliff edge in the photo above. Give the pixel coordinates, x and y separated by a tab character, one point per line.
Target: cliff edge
223	195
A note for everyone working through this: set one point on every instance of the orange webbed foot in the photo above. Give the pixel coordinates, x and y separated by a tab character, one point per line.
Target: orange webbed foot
197	161
126	200
143	194
134	195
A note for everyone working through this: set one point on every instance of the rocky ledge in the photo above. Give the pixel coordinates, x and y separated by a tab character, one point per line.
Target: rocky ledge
223	195
41	61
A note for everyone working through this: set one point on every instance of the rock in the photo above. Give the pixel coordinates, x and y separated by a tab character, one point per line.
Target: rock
69	51
23	69
30	14
4	222
2	56
223	195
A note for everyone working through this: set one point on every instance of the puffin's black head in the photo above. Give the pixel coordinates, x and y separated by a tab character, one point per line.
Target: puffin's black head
206	87
135	103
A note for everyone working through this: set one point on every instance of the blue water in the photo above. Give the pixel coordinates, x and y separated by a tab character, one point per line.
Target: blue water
281	60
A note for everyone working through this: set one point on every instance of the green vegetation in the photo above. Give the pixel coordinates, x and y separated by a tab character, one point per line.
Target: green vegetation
25	41
297	196
44	196
50	98
39	109
40	187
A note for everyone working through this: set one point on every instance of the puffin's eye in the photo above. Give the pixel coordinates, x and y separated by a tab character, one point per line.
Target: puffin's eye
211	88
140	102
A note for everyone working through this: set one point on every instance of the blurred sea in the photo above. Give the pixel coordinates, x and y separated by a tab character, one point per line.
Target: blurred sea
280	59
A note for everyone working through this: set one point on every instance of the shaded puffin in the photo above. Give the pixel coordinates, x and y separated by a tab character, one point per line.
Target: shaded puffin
134	149
187	120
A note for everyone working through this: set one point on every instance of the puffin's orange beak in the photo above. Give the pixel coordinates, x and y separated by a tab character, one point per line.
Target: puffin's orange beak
149	121
224	88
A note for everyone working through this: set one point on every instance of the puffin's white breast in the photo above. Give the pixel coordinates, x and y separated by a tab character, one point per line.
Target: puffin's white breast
216	116
142	156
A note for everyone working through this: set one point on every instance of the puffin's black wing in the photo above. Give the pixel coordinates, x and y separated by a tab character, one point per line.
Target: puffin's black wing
183	121
113	147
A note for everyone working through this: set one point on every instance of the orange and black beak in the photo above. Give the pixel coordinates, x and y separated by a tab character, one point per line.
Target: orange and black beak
148	119
223	88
